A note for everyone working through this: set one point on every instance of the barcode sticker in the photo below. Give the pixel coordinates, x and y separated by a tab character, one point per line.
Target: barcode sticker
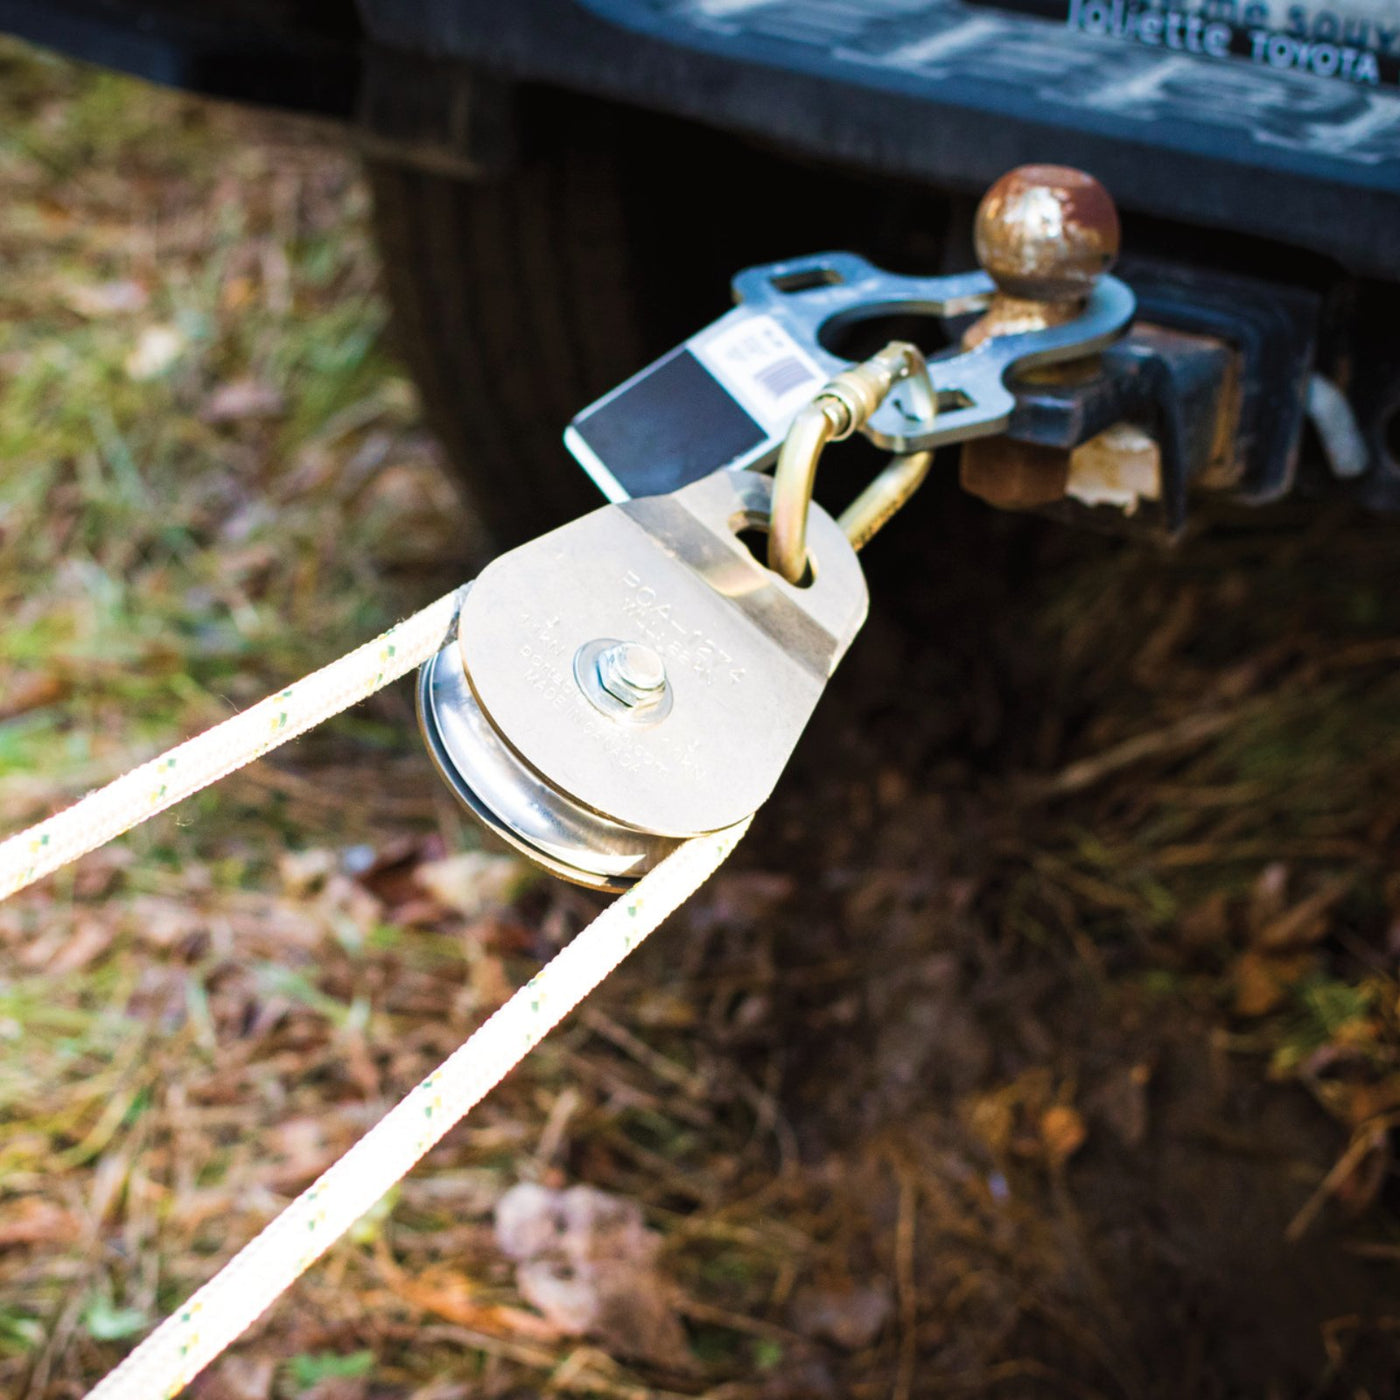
761	365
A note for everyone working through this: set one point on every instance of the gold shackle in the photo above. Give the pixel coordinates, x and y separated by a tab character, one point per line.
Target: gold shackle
843	405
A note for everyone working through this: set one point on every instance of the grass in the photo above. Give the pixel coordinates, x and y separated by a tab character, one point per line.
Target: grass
169	554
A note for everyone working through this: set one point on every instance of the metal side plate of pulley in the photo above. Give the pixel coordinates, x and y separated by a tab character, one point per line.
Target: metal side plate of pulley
636	677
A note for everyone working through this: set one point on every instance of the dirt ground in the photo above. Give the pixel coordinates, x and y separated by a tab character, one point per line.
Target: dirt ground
1043	1037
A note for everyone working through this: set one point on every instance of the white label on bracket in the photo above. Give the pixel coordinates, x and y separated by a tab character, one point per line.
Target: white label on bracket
762	366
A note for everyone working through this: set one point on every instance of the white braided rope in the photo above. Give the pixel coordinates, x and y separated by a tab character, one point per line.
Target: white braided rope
248	1284
259	1273
101	815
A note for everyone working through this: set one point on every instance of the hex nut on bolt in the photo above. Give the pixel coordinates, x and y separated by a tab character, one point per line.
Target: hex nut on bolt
624	680
633	673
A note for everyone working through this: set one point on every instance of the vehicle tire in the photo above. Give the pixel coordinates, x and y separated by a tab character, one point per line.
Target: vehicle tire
514	306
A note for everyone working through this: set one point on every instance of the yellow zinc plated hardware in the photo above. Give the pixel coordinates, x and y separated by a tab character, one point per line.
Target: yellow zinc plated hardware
844	404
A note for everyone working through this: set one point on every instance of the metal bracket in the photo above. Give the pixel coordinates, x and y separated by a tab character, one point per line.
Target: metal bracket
726	397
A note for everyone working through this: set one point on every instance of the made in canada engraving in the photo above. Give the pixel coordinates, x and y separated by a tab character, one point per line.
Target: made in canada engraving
692	649
542	650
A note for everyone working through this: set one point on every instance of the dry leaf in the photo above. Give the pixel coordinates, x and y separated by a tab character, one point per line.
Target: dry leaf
587	1261
992	1118
163	923
1305	923
237	293
241	399
1270	893
451	1295
1063	1132
237	1378
297	1150
97	299
851	1317
64	947
1208	923
1262	982
33	1220
31	690
304	871
742	897
1358	1103
472	882
89	939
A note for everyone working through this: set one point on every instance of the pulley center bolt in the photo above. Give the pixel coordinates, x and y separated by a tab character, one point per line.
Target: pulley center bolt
634	674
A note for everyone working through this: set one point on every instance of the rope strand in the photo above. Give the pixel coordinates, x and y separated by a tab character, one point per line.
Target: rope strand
258	1274
180	772
262	1270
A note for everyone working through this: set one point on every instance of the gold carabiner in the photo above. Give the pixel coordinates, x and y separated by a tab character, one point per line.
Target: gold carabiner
844	404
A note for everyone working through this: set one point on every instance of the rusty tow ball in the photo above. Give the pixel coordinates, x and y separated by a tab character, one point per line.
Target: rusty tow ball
1045	234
